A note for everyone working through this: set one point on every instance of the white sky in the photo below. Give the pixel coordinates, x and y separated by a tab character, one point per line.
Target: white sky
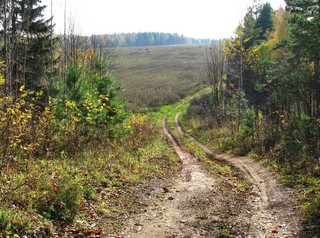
193	18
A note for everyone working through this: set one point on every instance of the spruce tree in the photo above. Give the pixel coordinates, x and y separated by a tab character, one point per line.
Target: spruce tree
32	37
264	22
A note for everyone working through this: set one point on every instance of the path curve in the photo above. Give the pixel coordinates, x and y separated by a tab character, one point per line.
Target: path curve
199	205
274	209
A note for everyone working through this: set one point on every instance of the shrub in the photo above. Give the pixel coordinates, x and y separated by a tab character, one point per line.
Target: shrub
61	201
25	128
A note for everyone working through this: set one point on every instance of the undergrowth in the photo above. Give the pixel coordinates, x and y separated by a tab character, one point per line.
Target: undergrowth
291	148
60	191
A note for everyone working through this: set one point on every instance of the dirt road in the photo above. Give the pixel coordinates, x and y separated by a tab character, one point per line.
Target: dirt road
202	205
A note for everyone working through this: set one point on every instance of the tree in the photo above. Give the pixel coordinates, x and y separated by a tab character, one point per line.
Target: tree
249	32
6	52
264	21
27	39
304	43
215	68
280	30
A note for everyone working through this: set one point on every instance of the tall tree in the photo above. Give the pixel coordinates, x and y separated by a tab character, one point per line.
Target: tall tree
35	42
264	21
215	68
305	38
6	17
27	45
280	27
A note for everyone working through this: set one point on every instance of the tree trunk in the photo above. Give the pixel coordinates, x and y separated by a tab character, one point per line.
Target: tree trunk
317	80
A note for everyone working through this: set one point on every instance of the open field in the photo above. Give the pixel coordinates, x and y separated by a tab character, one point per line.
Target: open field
154	76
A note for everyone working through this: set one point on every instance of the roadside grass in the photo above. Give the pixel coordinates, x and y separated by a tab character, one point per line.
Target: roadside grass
159	75
307	185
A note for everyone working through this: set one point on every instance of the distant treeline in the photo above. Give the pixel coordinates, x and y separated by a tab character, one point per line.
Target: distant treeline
144	39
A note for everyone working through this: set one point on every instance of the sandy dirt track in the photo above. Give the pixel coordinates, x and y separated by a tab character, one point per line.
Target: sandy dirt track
198	204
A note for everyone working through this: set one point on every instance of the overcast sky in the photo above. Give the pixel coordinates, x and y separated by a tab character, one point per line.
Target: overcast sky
194	18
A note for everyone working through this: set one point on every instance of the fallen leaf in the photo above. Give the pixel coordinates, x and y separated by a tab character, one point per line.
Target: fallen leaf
98	231
81	205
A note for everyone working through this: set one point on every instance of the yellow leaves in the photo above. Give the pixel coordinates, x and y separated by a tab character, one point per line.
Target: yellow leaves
23	125
281	27
39	93
2	80
70	104
138	119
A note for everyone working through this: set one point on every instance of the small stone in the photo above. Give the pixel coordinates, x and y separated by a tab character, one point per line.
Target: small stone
138	228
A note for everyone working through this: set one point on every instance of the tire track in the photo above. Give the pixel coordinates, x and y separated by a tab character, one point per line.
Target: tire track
273	211
195	205
242	163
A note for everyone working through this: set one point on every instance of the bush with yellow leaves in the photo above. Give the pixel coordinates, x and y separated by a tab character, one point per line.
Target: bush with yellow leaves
25	128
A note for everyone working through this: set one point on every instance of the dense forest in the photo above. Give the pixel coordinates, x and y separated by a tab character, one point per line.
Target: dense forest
68	146
265	98
144	39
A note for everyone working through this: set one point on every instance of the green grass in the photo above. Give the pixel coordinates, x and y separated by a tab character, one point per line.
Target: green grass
159	75
224	170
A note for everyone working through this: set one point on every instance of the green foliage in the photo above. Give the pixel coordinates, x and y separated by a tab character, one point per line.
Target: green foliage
5	223
312	201
89	104
248	123
300	149
222	232
265	22
29	42
61	200
304	22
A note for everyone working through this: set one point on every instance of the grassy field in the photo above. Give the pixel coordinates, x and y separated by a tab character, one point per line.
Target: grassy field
154	76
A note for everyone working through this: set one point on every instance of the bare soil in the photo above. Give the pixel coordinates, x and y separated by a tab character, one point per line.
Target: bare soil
199	204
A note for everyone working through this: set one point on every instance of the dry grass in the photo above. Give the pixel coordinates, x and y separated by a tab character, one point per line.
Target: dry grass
159	75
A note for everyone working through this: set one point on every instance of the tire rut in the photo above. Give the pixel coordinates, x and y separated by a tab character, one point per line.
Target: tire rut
195	205
274	210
